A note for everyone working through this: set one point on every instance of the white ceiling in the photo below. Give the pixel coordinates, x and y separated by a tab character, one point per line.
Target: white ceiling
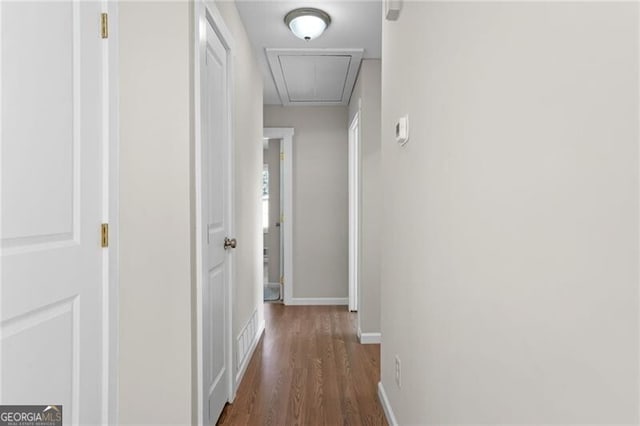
355	24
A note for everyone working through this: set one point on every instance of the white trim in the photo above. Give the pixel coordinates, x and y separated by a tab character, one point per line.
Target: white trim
197	171
318	301
354	212
386	406
281	211
638	117
286	170
110	54
369	338
249	354
203	11
218	24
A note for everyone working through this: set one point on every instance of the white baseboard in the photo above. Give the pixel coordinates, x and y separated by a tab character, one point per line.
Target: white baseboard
369	338
386	406
246	345
317	301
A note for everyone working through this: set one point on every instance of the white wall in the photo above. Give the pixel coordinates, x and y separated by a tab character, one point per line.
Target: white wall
155	223
510	255
247	130
320	208
366	98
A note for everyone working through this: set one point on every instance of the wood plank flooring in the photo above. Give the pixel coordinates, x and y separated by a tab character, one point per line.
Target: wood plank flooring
309	369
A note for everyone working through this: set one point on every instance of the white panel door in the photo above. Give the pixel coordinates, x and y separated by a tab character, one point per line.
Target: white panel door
51	141
216	197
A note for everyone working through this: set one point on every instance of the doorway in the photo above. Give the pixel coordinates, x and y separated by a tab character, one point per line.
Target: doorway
272	220
284	136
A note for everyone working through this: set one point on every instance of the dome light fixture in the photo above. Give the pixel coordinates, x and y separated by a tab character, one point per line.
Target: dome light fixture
307	23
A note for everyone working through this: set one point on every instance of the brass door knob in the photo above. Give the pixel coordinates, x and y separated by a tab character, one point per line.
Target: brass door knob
230	243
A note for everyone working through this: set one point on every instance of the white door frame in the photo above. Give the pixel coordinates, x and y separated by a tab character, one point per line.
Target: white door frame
354	212
110	214
285	134
206	10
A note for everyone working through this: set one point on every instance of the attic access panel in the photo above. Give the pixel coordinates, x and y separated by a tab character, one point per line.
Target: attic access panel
314	76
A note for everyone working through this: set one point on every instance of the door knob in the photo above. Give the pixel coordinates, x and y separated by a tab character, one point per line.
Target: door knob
230	243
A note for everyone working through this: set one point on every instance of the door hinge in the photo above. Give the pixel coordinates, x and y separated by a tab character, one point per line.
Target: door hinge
104	235
281	279
281	218
104	25
282	155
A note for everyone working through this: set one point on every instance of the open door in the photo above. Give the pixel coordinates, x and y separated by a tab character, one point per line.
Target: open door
55	325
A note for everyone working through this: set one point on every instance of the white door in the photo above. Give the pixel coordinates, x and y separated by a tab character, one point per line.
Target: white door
216	214
53	278
354	212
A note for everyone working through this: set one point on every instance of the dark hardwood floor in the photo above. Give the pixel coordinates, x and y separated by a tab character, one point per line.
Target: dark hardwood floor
309	369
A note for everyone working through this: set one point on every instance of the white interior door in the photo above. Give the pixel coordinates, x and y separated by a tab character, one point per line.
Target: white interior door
216	218
354	212
52	311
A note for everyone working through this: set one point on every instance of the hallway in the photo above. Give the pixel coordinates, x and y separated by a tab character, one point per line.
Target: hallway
460	177
309	369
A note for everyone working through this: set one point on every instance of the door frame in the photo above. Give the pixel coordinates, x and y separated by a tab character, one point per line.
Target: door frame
110	214
206	11
354	213
285	134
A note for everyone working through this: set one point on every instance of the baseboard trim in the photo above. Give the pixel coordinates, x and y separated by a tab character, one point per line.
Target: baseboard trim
369	338
318	301
242	368
386	406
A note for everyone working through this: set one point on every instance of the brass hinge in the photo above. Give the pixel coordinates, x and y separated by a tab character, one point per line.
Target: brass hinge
104	25
282	279
281	218
282	155
104	235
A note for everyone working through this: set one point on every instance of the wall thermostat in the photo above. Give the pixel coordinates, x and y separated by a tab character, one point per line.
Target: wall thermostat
392	9
402	130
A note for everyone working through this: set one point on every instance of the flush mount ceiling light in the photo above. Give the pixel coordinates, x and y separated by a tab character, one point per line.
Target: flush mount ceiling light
307	23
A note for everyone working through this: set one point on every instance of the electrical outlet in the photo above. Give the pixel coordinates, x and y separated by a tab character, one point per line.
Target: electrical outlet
398	375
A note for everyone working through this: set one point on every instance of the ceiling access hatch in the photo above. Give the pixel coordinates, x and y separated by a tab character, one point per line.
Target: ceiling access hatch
314	76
